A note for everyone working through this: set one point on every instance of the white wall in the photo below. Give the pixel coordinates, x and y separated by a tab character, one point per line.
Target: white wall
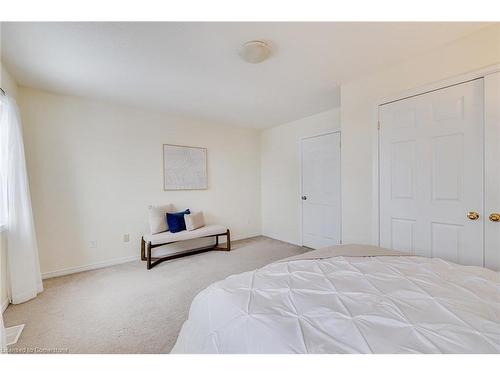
95	167
10	87
280	173
358	116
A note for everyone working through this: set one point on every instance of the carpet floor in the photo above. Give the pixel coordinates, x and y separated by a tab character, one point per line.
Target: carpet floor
127	309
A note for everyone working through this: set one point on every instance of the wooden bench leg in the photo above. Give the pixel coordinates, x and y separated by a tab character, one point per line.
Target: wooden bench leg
149	255
228	242
143	249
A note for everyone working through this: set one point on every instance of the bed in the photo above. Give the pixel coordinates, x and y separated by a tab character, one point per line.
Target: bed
348	299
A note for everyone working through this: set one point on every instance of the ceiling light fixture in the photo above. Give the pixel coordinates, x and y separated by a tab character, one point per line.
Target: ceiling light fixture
255	52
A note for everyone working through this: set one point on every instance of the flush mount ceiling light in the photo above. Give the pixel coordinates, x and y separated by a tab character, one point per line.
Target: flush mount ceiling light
255	52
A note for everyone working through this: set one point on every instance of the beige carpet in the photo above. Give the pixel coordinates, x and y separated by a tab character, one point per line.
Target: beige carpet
127	309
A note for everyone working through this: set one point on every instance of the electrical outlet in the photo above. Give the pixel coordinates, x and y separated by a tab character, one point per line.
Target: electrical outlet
93	244
126	238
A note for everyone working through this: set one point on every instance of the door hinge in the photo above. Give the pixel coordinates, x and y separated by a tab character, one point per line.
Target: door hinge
378	125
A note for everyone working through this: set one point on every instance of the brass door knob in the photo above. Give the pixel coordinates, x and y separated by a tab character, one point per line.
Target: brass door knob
495	216
473	215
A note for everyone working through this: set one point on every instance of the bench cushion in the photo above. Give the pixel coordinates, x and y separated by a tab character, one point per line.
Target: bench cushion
208	230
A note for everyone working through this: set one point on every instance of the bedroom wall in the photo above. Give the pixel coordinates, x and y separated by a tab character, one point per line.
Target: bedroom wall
280	173
95	167
358	117
10	87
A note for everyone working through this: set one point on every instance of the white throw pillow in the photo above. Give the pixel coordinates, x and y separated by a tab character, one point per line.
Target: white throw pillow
158	219
194	220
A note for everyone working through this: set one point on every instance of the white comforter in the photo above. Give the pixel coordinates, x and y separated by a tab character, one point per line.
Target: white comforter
383	304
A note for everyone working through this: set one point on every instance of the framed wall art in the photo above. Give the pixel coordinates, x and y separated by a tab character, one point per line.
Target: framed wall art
184	167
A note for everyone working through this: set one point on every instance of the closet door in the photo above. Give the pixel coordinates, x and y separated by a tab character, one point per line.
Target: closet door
431	174
492	168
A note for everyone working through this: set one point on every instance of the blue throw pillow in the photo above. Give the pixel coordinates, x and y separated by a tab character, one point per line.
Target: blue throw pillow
176	221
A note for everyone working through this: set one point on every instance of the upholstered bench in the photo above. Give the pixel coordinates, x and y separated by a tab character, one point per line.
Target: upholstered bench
151	241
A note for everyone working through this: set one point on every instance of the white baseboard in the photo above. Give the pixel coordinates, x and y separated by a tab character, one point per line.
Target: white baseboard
89	267
112	262
280	238
245	236
5	304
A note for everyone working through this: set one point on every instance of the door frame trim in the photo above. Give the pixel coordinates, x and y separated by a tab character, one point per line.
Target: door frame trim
301	237
491	163
419	90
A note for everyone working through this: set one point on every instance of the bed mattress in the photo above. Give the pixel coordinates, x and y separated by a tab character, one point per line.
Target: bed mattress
369	303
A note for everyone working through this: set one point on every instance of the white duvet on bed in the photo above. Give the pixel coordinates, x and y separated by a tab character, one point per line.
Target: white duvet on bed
383	304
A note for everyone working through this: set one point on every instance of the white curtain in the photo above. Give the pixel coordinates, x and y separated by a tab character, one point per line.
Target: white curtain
22	250
3	336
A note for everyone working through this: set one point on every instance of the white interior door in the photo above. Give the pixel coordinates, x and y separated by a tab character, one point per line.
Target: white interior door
321	202
431	174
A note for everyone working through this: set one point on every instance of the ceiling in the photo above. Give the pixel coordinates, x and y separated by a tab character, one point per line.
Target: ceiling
194	68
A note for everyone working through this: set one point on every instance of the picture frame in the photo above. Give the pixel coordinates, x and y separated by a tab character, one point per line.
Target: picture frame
184	167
